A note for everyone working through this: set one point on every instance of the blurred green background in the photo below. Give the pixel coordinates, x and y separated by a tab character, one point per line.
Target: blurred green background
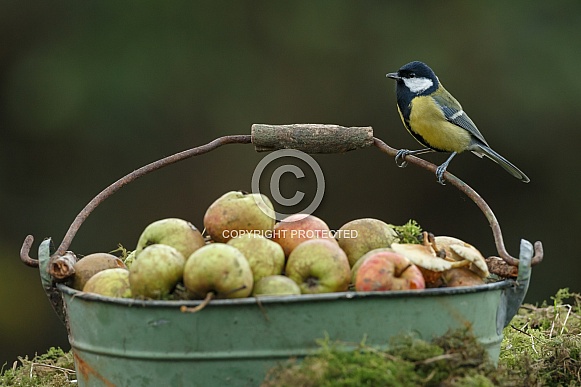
90	91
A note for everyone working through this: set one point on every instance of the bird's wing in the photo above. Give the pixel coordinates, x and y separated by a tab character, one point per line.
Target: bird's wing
453	112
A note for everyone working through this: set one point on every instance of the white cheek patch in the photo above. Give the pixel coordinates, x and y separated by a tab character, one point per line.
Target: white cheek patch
417	85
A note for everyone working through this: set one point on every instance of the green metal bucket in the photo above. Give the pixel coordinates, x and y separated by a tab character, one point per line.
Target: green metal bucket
127	342
123	342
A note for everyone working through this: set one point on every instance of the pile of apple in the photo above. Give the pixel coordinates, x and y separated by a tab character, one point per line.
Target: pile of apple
246	253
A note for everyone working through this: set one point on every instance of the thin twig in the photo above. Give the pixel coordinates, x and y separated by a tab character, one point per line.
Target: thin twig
209	297
520	330
262	308
527	334
566	317
65	370
556	317
444	356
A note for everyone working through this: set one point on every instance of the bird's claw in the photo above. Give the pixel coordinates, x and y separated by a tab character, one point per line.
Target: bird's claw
403	153
400	158
440	174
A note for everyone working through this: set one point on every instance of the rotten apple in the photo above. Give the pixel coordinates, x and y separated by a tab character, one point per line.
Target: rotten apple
385	270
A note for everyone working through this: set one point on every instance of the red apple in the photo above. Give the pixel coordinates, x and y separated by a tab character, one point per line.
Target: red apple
298	228
357	264
386	270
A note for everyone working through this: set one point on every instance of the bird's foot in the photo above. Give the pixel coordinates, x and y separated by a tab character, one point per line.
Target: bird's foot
440	173
442	168
400	157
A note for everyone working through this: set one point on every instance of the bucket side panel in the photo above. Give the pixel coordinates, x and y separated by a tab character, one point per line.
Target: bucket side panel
236	344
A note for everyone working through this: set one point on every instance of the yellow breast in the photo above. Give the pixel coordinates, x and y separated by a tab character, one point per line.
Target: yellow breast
428	120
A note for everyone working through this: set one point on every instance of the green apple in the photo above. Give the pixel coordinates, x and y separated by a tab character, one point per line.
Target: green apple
319	266
156	271
110	283
236	212
359	236
275	285
91	264
177	233
298	228
220	269
264	256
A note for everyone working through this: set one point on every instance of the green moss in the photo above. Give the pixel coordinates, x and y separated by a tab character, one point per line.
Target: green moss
456	359
333	367
52	369
125	255
411	232
543	343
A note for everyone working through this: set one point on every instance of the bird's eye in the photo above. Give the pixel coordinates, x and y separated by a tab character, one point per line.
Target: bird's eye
411	75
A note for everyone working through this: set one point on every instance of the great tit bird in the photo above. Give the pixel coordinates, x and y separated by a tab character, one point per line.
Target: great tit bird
436	120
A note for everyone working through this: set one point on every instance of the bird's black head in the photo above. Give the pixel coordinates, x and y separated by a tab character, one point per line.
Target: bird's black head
415	78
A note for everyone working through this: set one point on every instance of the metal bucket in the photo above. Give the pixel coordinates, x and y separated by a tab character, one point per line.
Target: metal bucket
126	342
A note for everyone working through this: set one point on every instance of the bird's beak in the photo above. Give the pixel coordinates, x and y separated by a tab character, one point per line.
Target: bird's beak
393	76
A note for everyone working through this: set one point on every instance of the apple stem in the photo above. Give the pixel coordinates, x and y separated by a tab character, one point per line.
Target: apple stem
235	290
209	297
403	270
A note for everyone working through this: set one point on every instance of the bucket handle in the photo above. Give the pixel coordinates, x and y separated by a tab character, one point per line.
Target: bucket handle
311	138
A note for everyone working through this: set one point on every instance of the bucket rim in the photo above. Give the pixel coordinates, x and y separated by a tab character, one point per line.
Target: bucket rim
289	299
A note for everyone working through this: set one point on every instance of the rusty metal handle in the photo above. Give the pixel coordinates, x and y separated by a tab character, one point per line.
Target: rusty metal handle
473	195
307	134
110	190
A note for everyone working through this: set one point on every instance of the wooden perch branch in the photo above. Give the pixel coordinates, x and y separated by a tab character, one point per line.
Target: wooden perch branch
311	138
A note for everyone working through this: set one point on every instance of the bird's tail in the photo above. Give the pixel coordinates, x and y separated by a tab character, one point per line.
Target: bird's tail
484	150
